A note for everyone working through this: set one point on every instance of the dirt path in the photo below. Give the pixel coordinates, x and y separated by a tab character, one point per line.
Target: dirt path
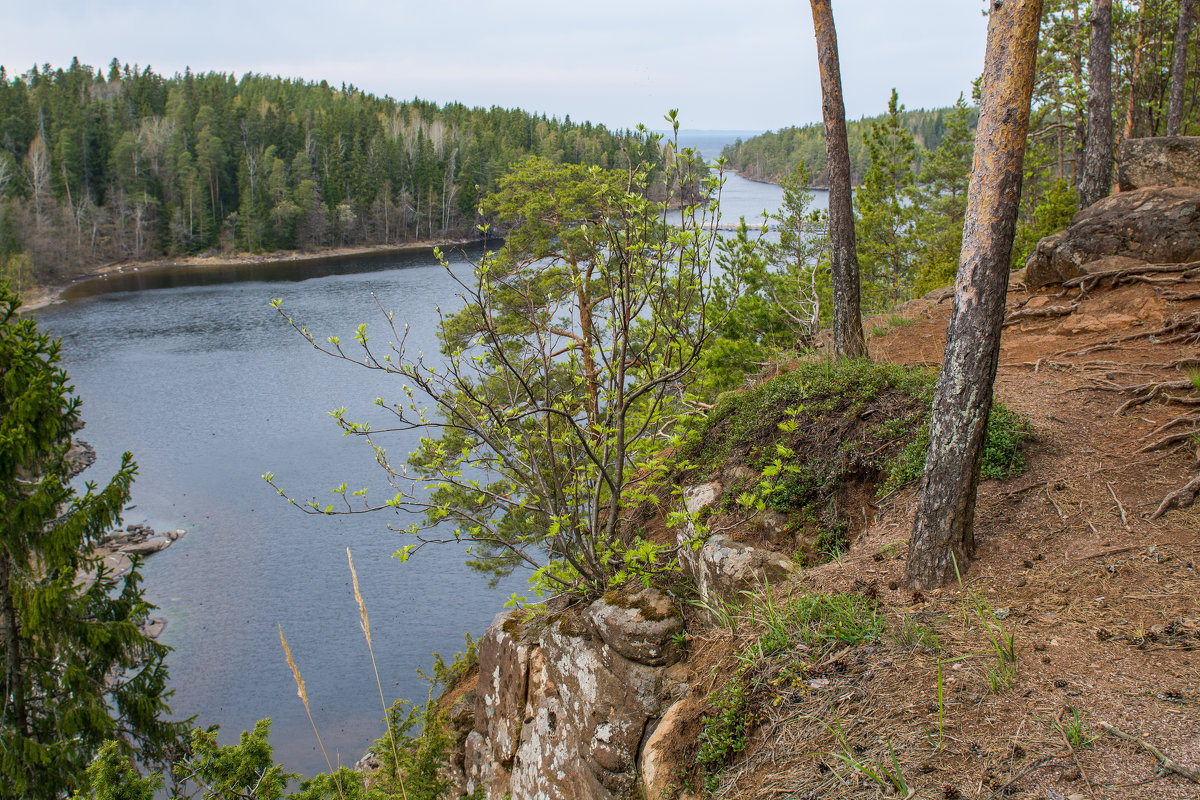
1101	596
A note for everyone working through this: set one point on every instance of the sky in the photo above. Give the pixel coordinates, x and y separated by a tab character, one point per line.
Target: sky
724	65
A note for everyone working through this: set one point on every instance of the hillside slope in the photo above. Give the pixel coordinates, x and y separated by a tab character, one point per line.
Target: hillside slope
1100	595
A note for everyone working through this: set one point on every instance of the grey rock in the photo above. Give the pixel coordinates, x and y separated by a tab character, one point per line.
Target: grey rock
638	625
1157	226
1158	161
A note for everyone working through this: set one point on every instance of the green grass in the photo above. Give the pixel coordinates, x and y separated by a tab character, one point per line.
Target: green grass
815	621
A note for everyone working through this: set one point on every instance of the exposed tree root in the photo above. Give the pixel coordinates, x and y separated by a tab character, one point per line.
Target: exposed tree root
1167	764
1181	328
1166	441
1180	498
1032	313
1179	296
1127	275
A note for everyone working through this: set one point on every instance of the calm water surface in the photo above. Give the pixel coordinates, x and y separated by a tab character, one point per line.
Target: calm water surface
209	388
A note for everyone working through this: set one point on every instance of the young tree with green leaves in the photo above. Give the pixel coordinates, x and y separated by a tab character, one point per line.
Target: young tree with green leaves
76	668
886	211
563	376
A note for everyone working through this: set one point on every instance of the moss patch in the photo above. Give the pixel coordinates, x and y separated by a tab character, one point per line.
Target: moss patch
632	597
829	437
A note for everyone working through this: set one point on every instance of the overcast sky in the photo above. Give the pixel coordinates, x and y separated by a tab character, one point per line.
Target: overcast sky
746	66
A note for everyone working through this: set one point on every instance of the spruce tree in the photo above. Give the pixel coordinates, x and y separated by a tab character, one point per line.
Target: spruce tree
942	201
76	668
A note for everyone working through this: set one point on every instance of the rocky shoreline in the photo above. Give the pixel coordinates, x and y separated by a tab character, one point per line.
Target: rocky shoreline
118	549
122	545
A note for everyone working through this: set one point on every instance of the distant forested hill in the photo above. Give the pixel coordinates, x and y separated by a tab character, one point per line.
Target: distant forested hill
99	166
772	155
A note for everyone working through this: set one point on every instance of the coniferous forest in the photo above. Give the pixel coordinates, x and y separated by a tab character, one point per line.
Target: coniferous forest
105	165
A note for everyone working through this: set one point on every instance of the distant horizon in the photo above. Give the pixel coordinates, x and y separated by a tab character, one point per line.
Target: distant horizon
741	131
619	65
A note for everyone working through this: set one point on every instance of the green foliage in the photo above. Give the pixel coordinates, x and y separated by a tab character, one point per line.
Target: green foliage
17	271
423	755
566	373
723	734
247	770
243	770
770	156
112	776
812	620
820	388
77	668
885	209
160	165
447	676
772	293
942	202
1052	214
1003	449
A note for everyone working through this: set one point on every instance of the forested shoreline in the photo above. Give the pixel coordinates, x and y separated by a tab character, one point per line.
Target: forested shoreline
99	167
773	155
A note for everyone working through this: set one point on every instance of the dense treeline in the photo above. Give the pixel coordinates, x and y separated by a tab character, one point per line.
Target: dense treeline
912	167
775	154
100	167
1143	49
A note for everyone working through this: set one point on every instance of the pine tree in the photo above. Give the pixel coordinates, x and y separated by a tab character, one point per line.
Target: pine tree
942	201
885	208
77	669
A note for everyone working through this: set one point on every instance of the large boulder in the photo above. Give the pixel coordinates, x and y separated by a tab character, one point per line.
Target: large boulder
1158	161
1158	226
566	698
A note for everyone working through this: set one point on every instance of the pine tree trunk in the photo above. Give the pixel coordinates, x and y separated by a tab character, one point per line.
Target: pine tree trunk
1187	14
943	529
13	712
1096	182
1135	72
848	339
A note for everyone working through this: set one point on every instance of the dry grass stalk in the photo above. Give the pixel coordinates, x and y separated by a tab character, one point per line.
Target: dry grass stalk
300	690
365	623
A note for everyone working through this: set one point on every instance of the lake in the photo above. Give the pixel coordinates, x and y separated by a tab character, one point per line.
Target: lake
209	388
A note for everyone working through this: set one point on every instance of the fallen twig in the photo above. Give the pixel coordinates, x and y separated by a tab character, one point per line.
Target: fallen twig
1121	508
1054	503
1167	764
1111	551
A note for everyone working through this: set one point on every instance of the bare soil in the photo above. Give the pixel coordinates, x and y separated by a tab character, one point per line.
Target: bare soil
1100	594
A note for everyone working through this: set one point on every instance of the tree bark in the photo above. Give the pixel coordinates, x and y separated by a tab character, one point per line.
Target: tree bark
1096	181
12	712
848	339
1187	15
943	532
1135	72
